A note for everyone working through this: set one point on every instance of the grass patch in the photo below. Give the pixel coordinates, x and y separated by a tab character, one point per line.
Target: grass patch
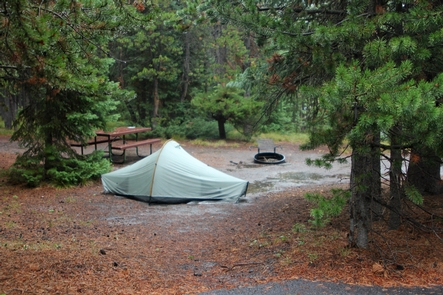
235	135
7	132
214	143
22	244
3	130
298	138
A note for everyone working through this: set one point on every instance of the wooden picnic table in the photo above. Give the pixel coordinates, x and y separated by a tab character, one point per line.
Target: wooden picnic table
120	133
116	140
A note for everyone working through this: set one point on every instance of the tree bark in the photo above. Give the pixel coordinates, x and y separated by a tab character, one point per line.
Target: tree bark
220	51
395	175
10	104
131	111
376	206
424	172
121	80
186	67
360	199
156	98
221	127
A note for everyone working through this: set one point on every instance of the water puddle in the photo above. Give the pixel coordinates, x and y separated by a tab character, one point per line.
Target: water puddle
293	179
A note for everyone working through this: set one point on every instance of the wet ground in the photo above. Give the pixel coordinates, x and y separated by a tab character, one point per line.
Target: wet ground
238	161
294	172
218	235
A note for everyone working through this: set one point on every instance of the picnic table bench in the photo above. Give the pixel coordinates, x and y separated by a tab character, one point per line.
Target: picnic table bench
136	144
93	141
113	139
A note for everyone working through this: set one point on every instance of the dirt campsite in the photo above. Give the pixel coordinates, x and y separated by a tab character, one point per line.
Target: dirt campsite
81	241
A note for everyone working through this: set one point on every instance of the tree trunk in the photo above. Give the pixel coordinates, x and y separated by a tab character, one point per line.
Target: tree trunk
131	111
395	175
121	80
221	127
10	104
186	67
156	99
48	144
424	172
220	51
7	108
376	206
361	178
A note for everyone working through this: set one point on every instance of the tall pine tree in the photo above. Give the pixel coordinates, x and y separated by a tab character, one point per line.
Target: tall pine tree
56	53
374	68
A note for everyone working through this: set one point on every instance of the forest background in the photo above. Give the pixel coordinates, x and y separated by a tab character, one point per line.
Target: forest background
171	63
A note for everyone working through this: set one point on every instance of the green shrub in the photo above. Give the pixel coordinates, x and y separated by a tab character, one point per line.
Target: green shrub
64	172
327	207
26	170
200	128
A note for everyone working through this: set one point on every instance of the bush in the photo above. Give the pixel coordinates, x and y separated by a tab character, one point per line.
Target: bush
200	128
64	172
327	207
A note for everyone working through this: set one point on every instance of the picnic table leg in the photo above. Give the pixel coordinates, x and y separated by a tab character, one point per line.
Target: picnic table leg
121	155
124	151
109	148
136	148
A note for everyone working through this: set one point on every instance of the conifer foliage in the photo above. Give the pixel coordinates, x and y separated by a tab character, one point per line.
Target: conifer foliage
56	53
375	70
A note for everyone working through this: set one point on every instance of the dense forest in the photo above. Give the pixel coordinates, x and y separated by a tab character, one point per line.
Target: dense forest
363	76
170	60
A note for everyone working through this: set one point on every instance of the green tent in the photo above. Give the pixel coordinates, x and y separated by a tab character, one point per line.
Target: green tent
171	175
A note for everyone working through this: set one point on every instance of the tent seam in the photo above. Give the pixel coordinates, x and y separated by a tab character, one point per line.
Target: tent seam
155	169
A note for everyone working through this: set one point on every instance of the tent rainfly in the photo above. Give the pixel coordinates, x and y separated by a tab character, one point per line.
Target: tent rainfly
171	175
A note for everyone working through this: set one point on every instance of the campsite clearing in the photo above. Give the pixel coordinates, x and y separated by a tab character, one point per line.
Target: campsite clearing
80	241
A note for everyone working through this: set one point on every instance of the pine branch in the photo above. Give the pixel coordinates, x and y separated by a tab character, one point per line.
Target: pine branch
79	32
307	11
390	147
10	67
72	26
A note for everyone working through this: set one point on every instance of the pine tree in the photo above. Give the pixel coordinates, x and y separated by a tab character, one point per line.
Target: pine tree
153	54
56	53
225	104
374	68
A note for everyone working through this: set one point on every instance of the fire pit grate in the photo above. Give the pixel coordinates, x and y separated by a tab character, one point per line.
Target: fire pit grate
268	157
